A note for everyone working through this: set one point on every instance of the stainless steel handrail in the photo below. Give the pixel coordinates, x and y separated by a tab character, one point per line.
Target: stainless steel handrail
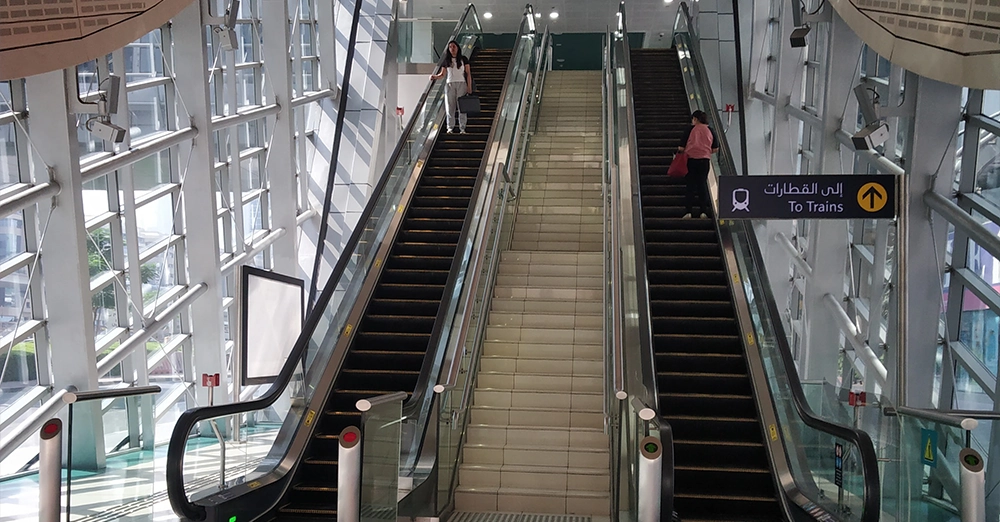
33	423
650	387
364	405
618	349
643	382
455	352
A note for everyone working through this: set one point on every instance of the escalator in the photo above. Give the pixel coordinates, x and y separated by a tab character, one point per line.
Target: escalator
417	218
721	467
392	339
708	352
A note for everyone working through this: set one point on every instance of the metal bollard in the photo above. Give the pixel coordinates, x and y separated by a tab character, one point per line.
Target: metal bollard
650	475
349	476
50	471
972	477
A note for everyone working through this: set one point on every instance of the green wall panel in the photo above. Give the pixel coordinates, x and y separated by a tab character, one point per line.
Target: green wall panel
570	51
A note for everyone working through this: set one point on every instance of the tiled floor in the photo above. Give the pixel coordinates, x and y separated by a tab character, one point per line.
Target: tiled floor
133	486
536	442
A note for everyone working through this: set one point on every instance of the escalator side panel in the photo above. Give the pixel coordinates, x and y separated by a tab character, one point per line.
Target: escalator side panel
721	469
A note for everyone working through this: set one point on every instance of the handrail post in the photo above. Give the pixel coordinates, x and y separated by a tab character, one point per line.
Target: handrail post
349	475
650	465
50	471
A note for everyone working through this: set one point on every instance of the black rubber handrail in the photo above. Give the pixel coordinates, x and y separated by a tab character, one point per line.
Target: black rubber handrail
648	361
186	421
871	510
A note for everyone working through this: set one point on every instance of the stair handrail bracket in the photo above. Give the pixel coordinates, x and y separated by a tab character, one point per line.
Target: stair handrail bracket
761	328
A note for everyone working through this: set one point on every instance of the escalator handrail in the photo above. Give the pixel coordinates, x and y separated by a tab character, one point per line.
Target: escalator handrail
646	348
869	459
423	393
187	420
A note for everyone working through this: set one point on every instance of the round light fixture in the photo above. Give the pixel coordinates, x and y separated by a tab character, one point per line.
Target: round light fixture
487	15
538	15
553	15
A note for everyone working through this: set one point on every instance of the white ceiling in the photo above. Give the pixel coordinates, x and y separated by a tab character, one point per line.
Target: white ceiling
575	16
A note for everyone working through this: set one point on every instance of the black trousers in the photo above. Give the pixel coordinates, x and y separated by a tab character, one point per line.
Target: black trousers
697	186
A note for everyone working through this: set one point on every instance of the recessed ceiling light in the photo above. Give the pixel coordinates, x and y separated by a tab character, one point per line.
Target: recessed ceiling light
553	15
487	15
538	15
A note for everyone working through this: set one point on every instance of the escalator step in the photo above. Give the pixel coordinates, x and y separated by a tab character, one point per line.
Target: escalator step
397	323
725	507
706	383
719	453
415	276
425	307
406	342
409	291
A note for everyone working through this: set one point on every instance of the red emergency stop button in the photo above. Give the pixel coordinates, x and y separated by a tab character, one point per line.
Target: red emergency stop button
51	429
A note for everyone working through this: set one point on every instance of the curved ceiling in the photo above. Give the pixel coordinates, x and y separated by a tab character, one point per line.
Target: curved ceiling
38	36
953	41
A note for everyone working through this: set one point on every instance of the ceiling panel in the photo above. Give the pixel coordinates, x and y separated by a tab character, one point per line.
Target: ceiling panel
575	16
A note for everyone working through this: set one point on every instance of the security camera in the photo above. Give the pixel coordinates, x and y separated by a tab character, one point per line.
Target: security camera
873	135
227	37
111	94
226	32
107	131
798	36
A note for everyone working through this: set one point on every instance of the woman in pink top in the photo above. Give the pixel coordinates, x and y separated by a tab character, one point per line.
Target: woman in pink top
700	143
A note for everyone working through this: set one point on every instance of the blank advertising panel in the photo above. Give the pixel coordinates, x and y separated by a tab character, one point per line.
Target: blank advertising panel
271	322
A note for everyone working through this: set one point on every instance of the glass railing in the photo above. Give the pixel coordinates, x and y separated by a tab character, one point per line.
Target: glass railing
381	434
454	397
632	386
284	403
833	467
919	483
421	40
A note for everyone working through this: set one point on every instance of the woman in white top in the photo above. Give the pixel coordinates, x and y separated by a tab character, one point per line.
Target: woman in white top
456	68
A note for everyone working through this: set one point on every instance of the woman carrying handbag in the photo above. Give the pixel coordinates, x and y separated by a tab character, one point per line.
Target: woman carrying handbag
456	67
700	142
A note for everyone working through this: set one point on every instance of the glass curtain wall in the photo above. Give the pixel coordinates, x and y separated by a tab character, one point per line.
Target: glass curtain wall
134	214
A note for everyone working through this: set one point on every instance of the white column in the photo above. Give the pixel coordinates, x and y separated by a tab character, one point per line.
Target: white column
198	199
67	277
280	167
827	249
921	257
827	254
